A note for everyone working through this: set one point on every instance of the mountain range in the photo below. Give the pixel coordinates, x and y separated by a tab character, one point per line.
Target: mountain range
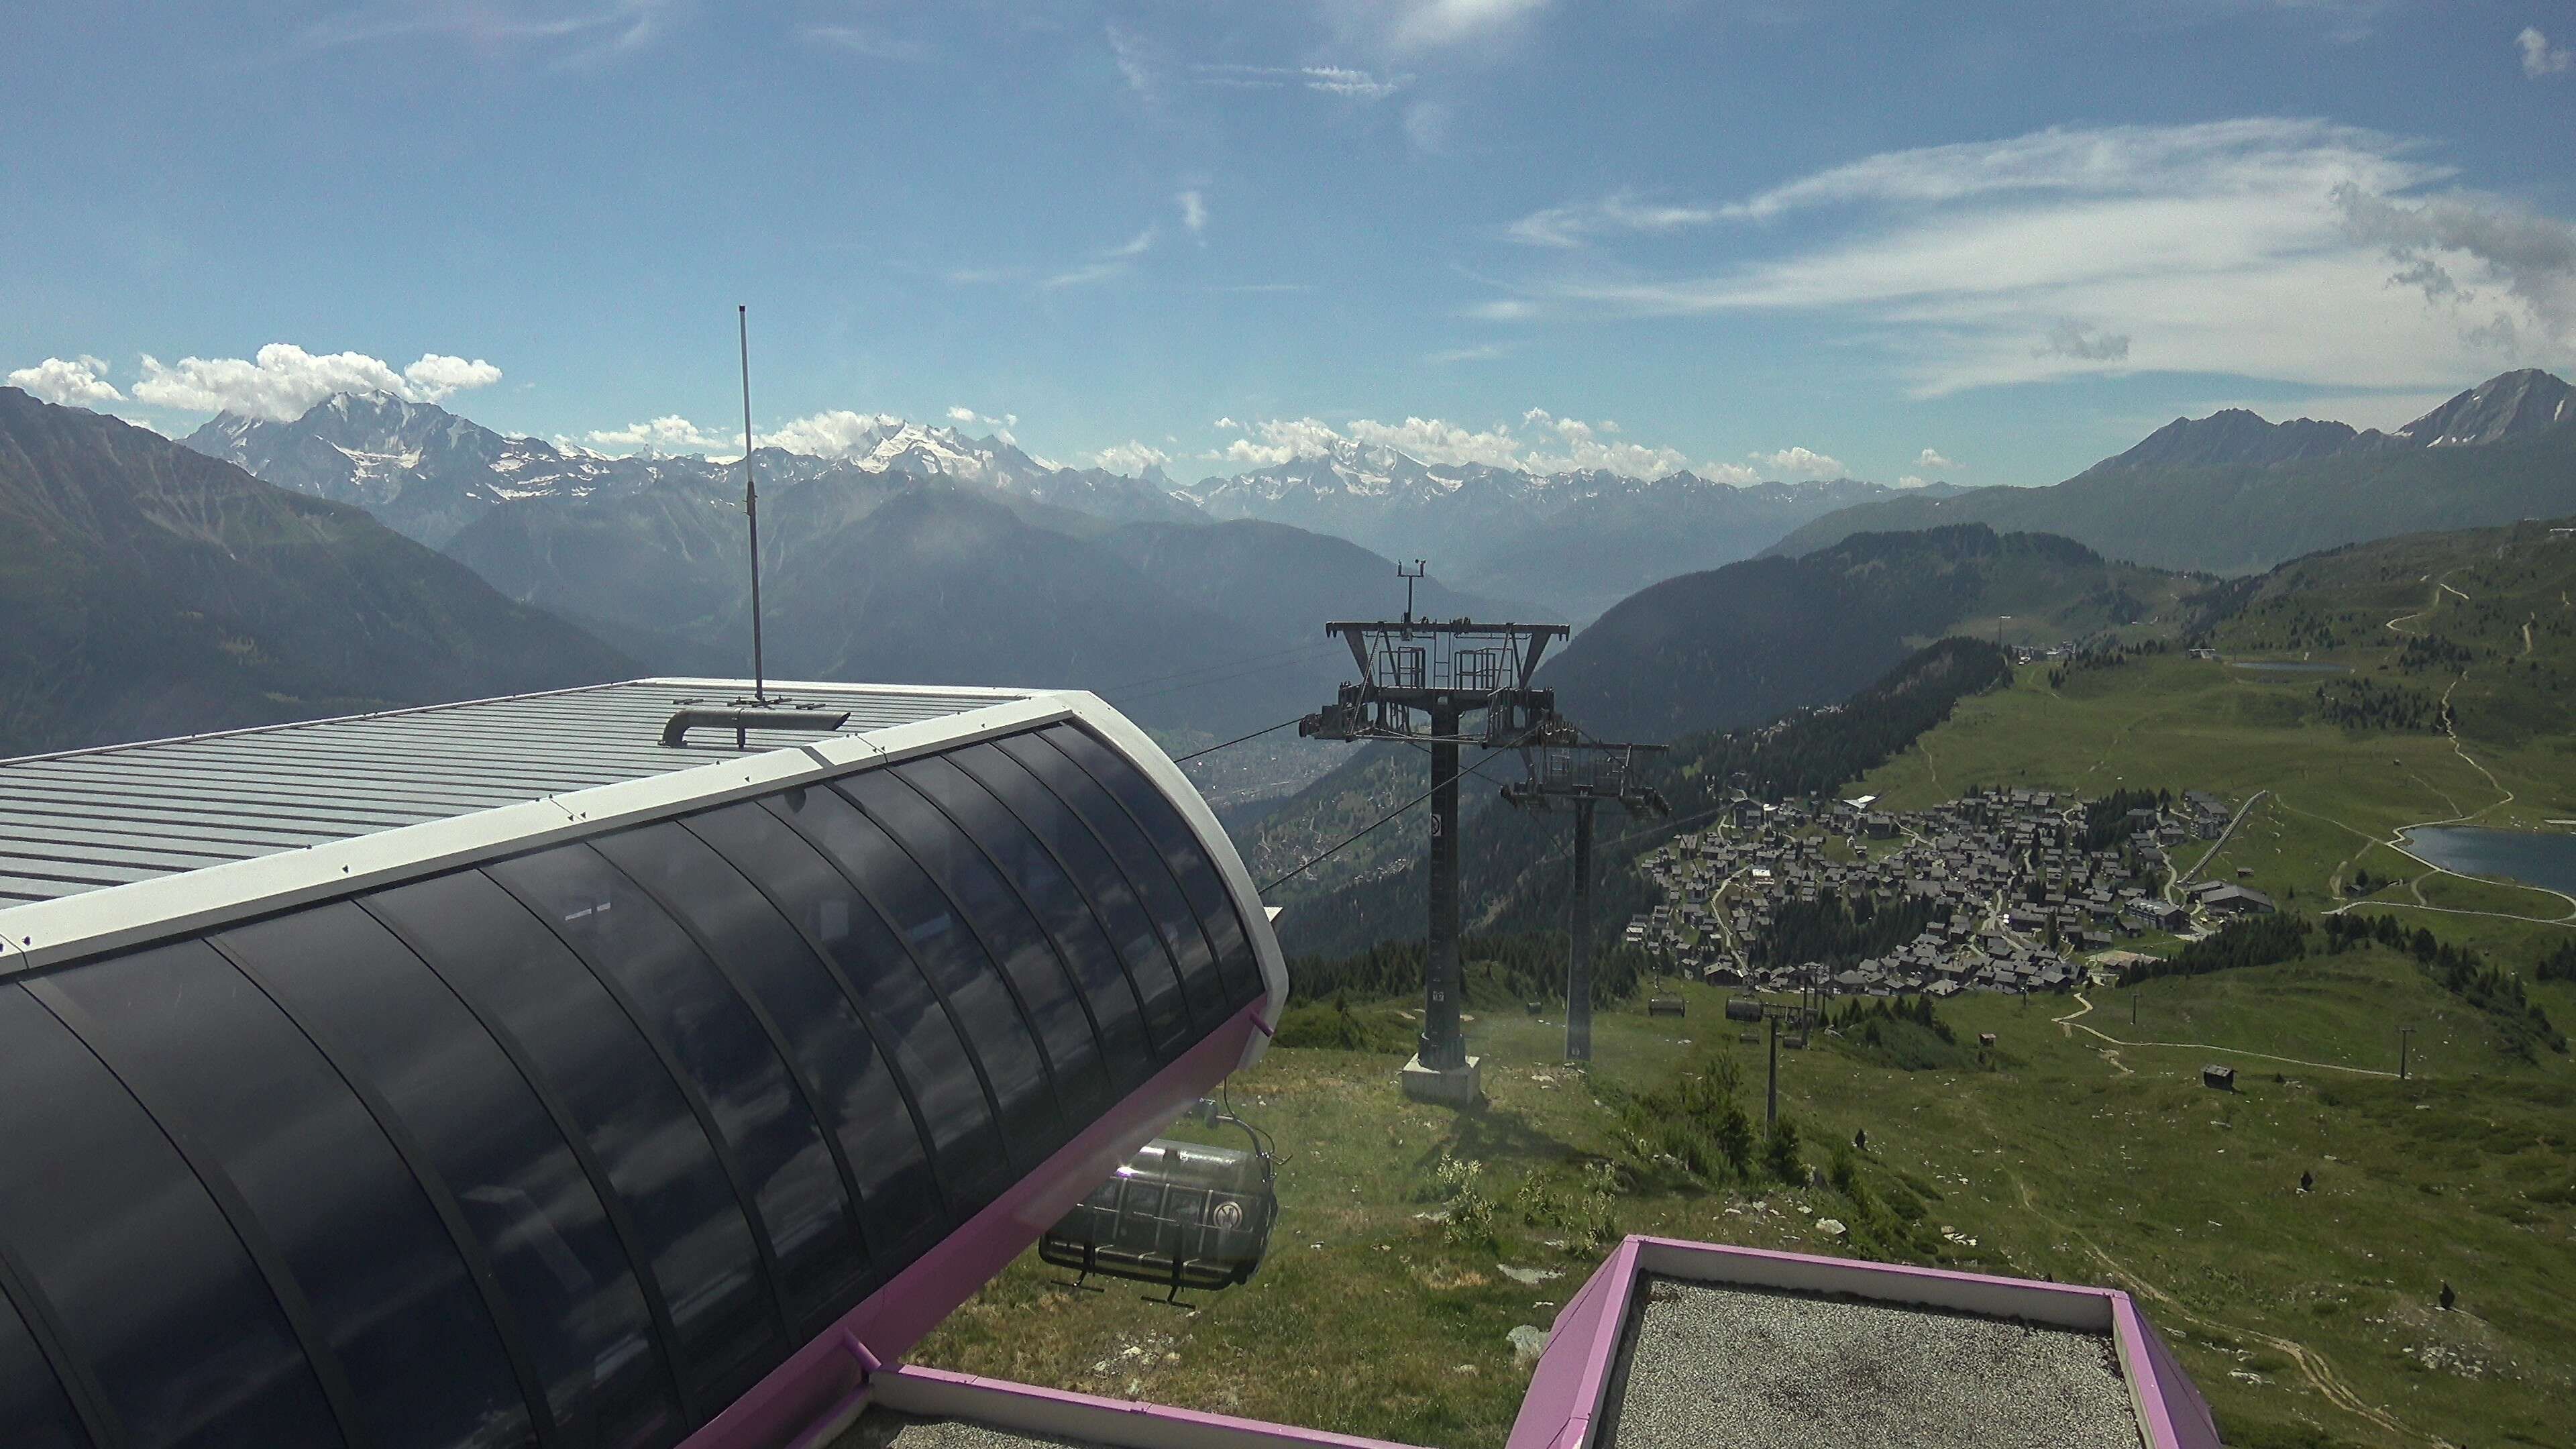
1745	643
2232	493
1584	538
1571	543
150	591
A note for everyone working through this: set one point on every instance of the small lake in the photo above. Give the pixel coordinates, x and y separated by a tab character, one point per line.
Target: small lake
2546	859
2289	666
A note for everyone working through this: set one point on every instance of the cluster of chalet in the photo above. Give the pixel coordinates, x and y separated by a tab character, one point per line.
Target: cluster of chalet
2015	896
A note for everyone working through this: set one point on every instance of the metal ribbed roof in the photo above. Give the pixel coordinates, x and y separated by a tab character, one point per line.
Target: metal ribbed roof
91	819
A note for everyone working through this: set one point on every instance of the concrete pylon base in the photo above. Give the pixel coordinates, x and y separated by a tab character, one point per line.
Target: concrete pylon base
1455	1087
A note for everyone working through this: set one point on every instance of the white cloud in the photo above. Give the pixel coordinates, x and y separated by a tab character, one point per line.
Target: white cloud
1194	214
1735	473
1506	309
1484	352
2069	338
2540	59
1426	127
1540	442
1575	224
68	382
1799	463
961	415
576	34
1424	24
966	417
1931	458
1911	481
1331	80
868	41
1433	441
283	381
838	433
1130	457
2262	248
2495	244
1281	440
669	433
1138	63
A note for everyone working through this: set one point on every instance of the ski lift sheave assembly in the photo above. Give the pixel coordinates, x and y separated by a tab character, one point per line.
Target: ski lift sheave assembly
1177	1215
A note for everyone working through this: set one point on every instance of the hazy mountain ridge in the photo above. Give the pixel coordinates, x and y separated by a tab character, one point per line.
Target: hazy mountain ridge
151	590
1744	643
2232	493
1584	538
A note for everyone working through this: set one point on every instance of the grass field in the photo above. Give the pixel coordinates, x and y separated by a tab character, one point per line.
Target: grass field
2309	1319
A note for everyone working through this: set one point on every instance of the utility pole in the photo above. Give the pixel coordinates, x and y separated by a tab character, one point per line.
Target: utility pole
1771	1098
1447	672
751	507
1590	774
2404	1035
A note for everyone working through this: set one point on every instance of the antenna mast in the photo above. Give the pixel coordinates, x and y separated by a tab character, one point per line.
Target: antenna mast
751	508
1409	575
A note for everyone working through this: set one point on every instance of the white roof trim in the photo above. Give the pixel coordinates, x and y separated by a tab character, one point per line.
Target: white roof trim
41	933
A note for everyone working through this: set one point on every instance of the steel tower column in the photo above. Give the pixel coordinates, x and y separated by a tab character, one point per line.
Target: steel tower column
1441	1045
1578	974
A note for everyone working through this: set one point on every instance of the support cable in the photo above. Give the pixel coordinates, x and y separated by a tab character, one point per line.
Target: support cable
1314	861
1238	739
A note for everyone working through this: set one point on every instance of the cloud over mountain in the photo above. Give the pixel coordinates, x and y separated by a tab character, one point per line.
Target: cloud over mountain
283	381
68	382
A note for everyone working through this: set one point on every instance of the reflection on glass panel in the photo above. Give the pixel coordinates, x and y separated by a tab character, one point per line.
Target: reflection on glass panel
32	1402
927	925
155	1293
691	1229
1210	998
679	997
1001	926
1140	945
541	1225
1066	916
885	985
841	1067
1180	845
388	1291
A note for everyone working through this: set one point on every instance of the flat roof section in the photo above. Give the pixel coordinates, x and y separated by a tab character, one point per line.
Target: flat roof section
883	1428
1722	1366
90	819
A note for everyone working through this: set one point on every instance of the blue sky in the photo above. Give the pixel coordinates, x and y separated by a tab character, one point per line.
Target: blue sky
1989	243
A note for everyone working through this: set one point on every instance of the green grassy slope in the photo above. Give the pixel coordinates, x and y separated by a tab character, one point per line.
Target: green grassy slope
2308	1319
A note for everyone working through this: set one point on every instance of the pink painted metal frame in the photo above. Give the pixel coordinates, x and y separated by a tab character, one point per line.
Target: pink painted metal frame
1062	1414
1567	1393
826	1379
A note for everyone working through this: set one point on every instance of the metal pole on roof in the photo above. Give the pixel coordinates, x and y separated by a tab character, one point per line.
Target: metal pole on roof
751	507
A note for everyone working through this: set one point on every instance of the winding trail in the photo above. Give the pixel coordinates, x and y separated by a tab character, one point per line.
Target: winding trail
2070	1025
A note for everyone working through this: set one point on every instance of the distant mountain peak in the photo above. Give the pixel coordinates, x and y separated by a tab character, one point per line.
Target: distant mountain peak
2505	405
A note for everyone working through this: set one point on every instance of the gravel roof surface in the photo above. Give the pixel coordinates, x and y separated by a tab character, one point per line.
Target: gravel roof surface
882	1428
1715	1367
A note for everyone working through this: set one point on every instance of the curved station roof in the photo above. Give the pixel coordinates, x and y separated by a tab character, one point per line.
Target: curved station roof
495	1074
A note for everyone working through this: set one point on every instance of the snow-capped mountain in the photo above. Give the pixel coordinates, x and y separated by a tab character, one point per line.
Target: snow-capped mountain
420	469
430	474
1584	539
